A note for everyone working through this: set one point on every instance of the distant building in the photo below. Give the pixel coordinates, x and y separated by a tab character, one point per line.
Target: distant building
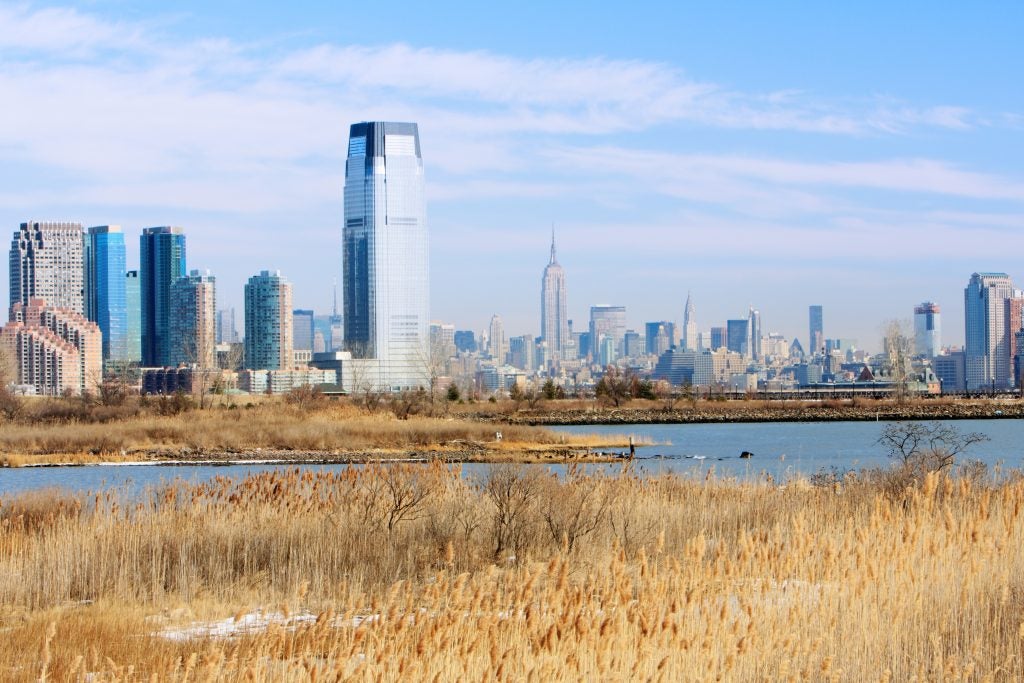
105	297
498	343
1014	324
227	332
927	329
442	342
987	347
522	352
465	341
738	336
133	317
633	344
658	337
690	340
162	261
302	329
816	330
754	343
718	338
47	262
192	325
607	322
268	322
53	350
554	318
951	370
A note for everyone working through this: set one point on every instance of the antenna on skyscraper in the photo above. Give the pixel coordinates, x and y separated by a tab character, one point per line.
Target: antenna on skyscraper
552	242
335	297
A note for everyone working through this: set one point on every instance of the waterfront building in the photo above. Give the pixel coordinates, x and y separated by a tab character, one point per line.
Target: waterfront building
987	347
607	322
133	317
302	329
193	325
816	330
106	301
385	255
927	329
554	313
53	350
47	262
162	261
268	322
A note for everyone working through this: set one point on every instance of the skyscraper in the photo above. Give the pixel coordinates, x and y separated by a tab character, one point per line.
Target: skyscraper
927	329
754	330
738	336
268	322
227	332
718	338
689	325
302	329
607	322
47	262
133	317
658	337
193	322
987	348
162	261
554	313
496	339
816	336
105	297
385	271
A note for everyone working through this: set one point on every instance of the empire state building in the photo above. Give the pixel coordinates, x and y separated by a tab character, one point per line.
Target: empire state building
554	322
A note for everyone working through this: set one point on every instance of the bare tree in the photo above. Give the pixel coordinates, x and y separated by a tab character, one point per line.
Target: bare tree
614	387
927	447
899	350
513	490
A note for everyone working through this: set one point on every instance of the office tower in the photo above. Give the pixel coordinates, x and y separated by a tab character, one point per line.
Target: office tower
193	321
718	338
738	336
133	317
53	350
927	329
554	320
442	341
987	348
227	332
633	344
1014	324
302	329
816	334
522	352
658	337
386	285
497	341
465	341
105	298
268	322
607	322
690	325
162	261
754	329
950	369
47	262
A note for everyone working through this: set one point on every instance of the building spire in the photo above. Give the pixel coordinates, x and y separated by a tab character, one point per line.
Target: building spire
335	297
553	258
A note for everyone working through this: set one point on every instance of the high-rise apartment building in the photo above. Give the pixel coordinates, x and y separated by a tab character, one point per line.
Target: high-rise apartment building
133	317
193	321
607	322
554	312
497	341
302	329
816	331
1014	324
690	325
385	255
927	329
53	350
754	344
268	322
47	262
227	332
162	261
106	301
987	347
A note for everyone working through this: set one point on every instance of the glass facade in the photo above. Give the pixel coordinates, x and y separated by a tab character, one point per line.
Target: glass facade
162	261
268	322
105	299
133	317
385	258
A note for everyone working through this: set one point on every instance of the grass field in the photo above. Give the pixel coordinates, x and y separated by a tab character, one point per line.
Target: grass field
408	572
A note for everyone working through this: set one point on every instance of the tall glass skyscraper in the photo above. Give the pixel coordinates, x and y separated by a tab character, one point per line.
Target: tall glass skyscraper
385	271
554	313
816	330
987	348
162	260
133	317
105	302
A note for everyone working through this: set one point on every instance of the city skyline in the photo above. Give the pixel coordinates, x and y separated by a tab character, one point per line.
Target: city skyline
849	179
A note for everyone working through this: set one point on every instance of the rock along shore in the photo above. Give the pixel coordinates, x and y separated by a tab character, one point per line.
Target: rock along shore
781	412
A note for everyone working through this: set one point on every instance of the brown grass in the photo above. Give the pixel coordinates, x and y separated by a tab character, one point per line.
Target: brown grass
415	573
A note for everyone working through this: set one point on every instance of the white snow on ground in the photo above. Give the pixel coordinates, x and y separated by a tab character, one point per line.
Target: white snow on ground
251	624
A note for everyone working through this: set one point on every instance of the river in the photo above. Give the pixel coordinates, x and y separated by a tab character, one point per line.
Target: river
780	449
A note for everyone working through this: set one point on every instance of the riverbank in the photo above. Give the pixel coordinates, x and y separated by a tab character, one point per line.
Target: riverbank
554	414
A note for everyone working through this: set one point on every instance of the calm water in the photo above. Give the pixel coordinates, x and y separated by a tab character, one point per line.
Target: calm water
780	450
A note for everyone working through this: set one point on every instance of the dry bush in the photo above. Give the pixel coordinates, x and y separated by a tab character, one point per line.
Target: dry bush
716	580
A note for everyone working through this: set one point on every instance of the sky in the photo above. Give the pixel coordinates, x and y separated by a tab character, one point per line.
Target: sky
865	157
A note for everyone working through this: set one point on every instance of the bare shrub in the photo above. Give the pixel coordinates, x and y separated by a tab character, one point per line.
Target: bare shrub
513	490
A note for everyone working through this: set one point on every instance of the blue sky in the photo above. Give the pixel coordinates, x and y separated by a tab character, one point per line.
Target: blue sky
864	158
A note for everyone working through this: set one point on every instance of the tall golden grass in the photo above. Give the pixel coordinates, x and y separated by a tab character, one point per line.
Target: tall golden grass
415	573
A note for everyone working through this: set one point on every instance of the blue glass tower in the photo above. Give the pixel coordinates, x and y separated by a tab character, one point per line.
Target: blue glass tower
162	261
105	302
133	328
386	285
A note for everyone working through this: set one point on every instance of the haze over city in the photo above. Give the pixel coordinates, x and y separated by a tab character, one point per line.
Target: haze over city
867	160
